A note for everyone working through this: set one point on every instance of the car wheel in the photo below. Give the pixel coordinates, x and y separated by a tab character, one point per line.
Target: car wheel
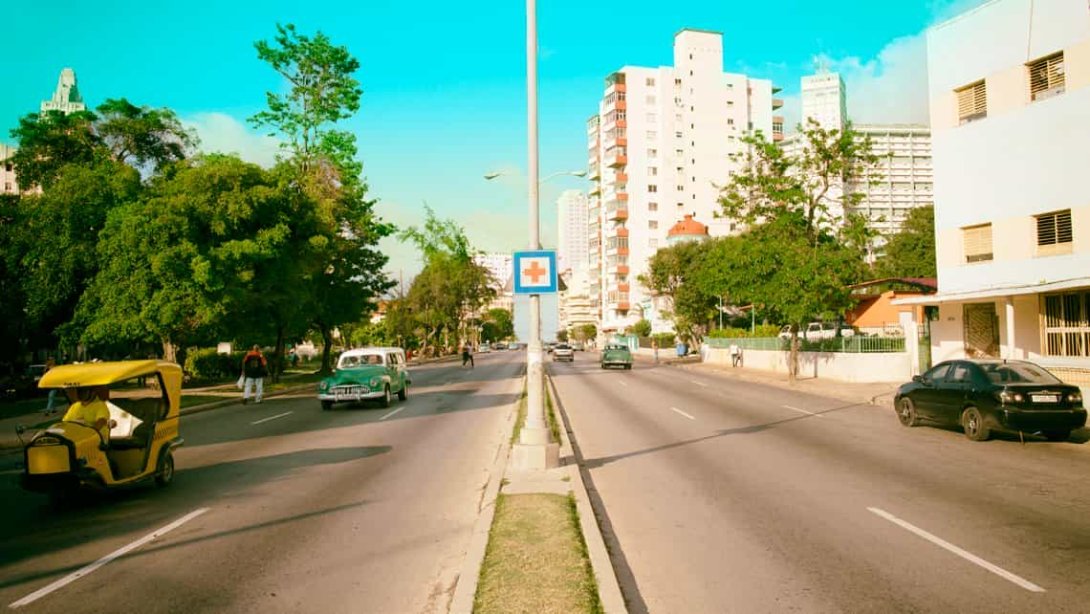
974	426
327	405
1057	435
628	367
906	412
386	397
403	393
164	475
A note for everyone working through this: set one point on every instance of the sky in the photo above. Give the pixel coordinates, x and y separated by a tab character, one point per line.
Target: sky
444	82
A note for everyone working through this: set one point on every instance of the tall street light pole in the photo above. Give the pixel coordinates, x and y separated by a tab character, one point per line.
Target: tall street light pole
534	431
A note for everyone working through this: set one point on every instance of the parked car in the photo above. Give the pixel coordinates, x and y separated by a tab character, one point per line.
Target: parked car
499	346
817	331
563	351
578	346
616	355
373	373
992	395
483	348
549	346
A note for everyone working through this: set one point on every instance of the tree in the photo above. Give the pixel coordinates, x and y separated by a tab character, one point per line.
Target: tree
141	136
642	328
911	252
672	274
50	141
798	256
562	336
586	332
323	91
498	325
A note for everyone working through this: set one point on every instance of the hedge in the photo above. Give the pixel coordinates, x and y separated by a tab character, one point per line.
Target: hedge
207	365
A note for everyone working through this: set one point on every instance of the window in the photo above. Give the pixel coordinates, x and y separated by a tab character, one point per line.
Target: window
8	166
1067	324
652	153
653	243
680	188
680	205
652	170
652	188
652	206
653	224
679	152
651	134
978	243
1046	77
652	118
678	134
1054	234
677	117
730	121
677	81
972	103
730	103
650	82
651	100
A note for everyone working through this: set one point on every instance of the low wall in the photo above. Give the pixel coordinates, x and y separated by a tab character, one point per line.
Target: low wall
849	367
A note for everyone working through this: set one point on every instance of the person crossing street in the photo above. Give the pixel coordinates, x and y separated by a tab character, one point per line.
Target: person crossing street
254	370
467	355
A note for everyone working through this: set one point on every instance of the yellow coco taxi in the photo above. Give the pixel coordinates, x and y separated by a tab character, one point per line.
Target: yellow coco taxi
120	427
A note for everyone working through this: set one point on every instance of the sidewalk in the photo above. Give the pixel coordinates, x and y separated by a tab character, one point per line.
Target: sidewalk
880	394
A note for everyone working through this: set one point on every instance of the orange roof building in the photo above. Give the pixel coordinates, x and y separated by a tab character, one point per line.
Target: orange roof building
687	229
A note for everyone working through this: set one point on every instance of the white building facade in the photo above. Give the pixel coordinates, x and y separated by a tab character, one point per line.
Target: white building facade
8	185
902	180
1011	141
66	98
573	251
660	147
824	101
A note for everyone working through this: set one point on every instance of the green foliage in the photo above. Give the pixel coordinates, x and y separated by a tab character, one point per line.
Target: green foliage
911	252
585	332
761	330
664	339
498	325
641	328
562	336
208	365
142	136
676	273
50	141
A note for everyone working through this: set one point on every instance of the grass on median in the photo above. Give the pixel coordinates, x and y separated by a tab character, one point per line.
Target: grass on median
550	418
536	561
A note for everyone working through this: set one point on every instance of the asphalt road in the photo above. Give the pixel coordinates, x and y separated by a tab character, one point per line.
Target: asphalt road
727	496
352	510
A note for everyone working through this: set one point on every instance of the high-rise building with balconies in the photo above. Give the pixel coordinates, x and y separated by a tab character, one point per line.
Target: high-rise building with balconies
572	251
660	148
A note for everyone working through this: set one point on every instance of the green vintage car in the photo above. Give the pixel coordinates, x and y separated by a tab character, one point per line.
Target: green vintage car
367	374
616	355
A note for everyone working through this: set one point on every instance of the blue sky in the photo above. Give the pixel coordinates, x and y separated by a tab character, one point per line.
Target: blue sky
444	82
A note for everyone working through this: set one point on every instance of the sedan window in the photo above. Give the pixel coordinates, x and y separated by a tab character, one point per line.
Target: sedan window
1018	373
960	374
938	373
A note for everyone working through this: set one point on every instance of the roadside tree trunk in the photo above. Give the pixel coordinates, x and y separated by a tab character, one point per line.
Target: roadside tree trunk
327	349
169	351
793	357
278	359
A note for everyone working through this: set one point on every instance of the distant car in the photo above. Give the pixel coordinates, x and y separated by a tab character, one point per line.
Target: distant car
483	349
616	355
366	374
499	347
578	346
992	395
563	351
817	331
550	346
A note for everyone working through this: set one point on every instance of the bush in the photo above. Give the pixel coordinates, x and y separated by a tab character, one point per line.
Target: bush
207	365
664	339
764	330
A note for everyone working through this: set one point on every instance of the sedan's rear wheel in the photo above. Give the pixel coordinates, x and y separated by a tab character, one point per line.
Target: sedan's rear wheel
1057	435
974	426
906	412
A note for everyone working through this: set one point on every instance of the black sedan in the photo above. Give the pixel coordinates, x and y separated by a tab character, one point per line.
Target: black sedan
986	395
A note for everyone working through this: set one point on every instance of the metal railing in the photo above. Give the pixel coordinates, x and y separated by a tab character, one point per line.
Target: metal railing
857	344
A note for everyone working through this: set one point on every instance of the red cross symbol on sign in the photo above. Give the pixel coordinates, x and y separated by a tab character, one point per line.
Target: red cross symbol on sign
535	272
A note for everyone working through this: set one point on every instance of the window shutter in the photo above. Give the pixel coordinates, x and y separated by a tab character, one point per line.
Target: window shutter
978	243
1046	77
1054	233
972	102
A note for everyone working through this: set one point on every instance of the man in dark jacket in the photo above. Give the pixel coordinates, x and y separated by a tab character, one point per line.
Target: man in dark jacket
254	369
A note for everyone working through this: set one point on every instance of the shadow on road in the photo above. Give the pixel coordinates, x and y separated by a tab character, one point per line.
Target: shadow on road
30	527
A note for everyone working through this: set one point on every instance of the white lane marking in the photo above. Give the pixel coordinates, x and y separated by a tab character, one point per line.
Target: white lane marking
392	413
969	556
271	418
623	383
76	575
698	383
682	413
803	411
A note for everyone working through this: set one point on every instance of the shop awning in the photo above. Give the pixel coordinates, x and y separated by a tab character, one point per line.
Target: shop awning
997	292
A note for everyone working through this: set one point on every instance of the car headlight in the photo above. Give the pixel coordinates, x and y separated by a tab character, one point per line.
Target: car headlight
375	381
1074	397
1006	396
323	386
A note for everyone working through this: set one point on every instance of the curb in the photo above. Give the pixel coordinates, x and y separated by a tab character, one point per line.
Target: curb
875	400
609	590
465	589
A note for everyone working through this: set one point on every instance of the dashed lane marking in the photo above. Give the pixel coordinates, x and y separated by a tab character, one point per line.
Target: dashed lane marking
965	554
392	413
85	571
803	411
287	413
682	413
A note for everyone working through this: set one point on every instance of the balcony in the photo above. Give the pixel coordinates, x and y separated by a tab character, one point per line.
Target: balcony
618	214
620	177
621	197
622	251
621	231
777	103
624	287
616	158
594	171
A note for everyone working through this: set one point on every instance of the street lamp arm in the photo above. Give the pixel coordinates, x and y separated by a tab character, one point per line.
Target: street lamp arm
492	175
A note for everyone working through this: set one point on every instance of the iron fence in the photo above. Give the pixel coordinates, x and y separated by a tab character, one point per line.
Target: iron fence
856	344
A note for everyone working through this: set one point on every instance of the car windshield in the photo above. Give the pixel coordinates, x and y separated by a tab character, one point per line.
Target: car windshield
349	362
1017	373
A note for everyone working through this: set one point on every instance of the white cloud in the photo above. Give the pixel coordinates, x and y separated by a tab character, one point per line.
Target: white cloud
222	133
887	89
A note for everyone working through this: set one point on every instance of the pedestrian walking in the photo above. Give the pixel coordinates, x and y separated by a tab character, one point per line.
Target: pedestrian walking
655	349
254	370
467	355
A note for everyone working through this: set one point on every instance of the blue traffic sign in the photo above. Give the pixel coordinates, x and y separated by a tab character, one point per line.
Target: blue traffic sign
535	272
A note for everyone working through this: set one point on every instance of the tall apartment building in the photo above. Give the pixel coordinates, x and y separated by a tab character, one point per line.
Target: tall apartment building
902	179
823	100
572	231
500	268
1011	141
66	98
7	171
660	147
